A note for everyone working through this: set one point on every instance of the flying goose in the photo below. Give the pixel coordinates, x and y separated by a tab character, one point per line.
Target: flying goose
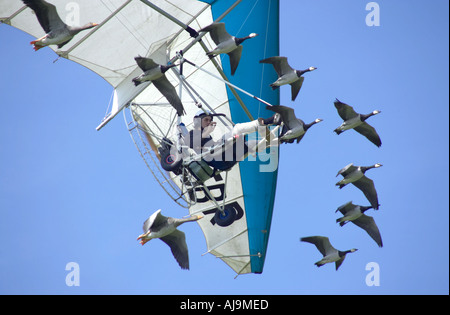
296	127
355	175
353	120
57	32
287	75
156	73
355	214
226	44
330	254
165	228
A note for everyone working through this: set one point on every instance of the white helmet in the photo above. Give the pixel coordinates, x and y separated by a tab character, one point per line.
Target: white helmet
202	113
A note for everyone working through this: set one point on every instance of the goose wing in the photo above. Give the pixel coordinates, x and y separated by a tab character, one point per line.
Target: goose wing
235	57
367	186
339	262
177	243
46	14
347	170
145	63
299	138
344	209
296	86
217	32
155	221
368	224
369	132
345	111
280	64
321	242
167	89
287	115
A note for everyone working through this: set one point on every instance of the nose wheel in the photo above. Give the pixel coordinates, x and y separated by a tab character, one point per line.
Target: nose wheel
225	217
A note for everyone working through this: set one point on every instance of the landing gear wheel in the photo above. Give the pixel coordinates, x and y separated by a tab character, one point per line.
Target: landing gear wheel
171	162
226	218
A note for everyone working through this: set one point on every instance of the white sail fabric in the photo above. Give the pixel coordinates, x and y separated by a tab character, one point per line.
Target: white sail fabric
127	28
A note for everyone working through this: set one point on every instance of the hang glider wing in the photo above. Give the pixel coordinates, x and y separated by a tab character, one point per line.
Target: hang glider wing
130	28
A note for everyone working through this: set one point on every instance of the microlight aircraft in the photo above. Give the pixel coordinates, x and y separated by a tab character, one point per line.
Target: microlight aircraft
238	204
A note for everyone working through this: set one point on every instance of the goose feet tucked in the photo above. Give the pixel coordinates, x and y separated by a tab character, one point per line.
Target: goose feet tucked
274	87
36	46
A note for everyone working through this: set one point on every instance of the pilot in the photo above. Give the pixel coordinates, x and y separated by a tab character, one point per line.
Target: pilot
204	124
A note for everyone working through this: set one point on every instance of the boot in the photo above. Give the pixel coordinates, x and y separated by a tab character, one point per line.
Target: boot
274	120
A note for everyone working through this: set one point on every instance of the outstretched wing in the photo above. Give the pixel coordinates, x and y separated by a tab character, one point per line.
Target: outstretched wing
177	243
367	186
369	132
339	262
217	32
235	57
46	14
345	111
154	221
295	87
167	89
346	208
280	65
321	242
368	224
146	63
287	115
347	170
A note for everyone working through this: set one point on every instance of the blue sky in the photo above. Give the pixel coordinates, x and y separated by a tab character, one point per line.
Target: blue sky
69	193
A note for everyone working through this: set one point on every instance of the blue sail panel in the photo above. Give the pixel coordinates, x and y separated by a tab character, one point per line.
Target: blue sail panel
259	179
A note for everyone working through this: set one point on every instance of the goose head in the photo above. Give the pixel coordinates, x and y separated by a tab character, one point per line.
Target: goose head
239	41
301	72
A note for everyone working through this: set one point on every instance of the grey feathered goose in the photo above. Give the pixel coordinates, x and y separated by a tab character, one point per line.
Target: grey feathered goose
355	214
57	32
287	75
296	128
165	228
353	120
226	44
330	254
355	175
156	73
